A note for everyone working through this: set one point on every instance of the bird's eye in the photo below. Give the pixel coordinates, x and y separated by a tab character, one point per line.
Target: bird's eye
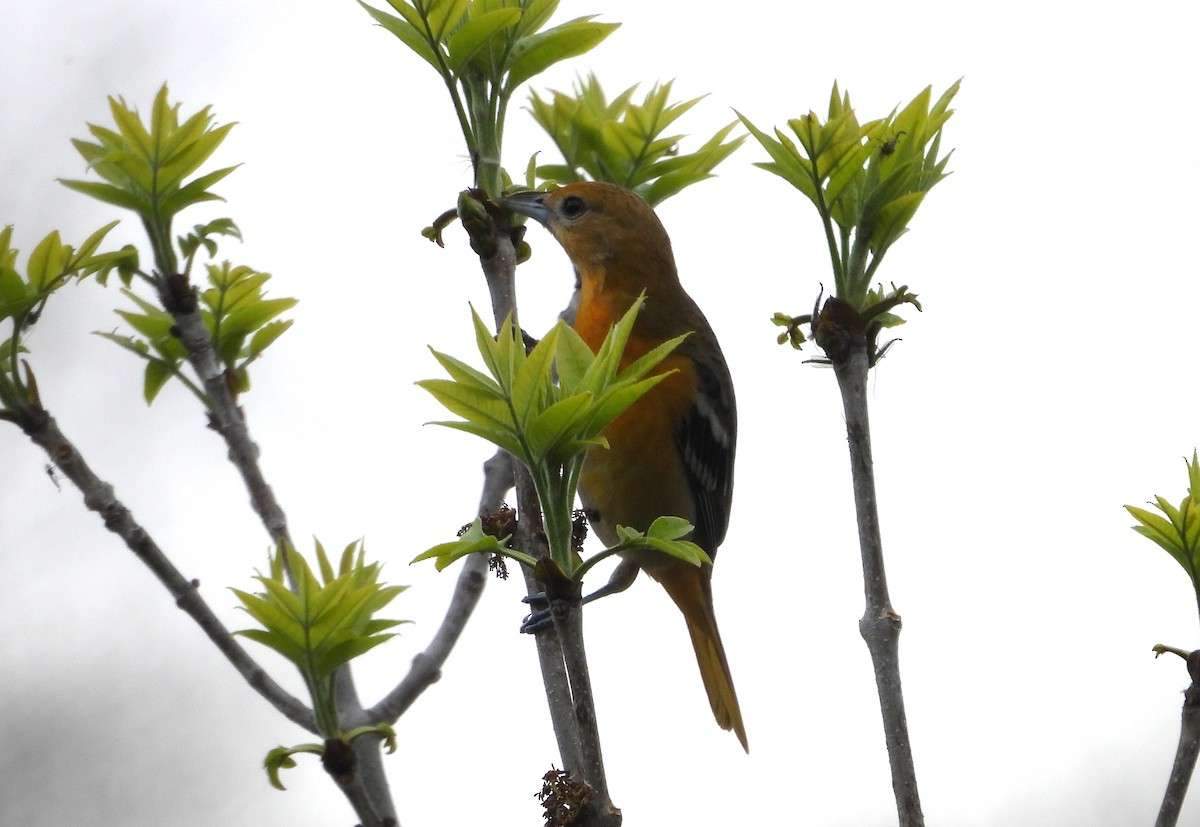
574	206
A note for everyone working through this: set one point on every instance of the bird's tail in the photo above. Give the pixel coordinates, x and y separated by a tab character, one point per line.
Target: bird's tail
691	589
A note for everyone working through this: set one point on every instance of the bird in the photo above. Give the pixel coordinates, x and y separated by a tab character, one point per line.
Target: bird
672	452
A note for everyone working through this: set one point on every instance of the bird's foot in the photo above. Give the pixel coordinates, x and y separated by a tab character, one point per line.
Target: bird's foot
539	618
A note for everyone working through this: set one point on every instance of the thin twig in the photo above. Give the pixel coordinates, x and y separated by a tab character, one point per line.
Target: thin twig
230	422
100	497
1186	752
427	665
880	624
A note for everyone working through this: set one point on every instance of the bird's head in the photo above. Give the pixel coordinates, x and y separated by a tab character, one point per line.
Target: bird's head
597	223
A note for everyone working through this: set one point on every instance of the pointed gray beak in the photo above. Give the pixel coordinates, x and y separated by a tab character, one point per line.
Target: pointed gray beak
532	204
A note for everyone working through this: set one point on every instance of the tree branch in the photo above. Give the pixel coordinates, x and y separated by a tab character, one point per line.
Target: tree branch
568	628
1186	752
227	419
561	655
99	497
500	271
368	790
427	665
549	652
880	625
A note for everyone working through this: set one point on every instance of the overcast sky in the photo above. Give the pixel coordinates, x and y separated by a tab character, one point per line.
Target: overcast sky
1048	382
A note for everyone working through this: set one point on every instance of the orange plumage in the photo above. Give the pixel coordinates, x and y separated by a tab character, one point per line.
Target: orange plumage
672	452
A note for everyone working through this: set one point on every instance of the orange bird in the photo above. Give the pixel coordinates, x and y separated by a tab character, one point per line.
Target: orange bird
672	452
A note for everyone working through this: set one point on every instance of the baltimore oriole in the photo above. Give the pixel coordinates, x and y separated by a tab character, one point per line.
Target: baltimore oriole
672	452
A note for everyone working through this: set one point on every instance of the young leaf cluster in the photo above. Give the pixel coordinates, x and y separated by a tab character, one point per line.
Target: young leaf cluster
473	541
280	758
242	322
145	166
322	624
483	50
23	299
1177	529
665	534
547	425
622	142
866	180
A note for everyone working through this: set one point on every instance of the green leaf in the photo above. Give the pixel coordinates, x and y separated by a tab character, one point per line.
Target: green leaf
473	540
500	437
616	400
443	15
464	374
277	759
282	645
468	40
604	368
15	298
622	142
254	315
785	160
472	404
345	651
131	127
535	15
91	244
8	256
406	32
291	604
194	192
278	618
893	219
550	428
109	194
265	337
681	549
154	327
157	374
669	528
190	157
489	347
534	54
573	358
533	384
179	139
652	358
323	563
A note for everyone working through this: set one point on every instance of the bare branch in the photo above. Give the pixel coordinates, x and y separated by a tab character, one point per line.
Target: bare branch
229	421
1186	752
99	497
427	665
880	625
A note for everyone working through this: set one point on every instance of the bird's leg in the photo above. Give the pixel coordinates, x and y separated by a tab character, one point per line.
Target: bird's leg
622	578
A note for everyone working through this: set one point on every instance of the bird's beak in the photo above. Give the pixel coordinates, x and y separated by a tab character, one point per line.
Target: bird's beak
532	204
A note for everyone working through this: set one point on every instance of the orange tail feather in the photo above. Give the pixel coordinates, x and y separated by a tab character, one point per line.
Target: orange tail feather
691	589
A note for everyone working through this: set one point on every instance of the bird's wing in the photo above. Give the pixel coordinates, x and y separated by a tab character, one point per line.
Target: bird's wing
707	437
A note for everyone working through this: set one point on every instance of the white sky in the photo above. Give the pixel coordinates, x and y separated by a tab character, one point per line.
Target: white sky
1048	383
